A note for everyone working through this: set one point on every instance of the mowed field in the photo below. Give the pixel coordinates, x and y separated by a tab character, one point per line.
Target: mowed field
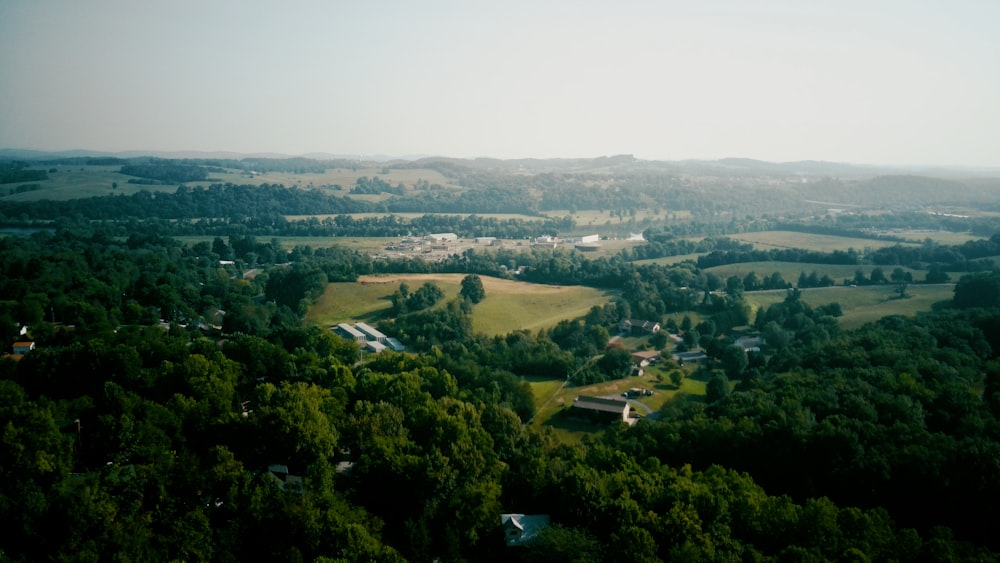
509	305
808	241
790	270
862	304
72	182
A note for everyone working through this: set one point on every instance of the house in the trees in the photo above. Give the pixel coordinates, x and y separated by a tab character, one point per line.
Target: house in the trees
600	408
639	326
22	348
285	481
643	358
519	529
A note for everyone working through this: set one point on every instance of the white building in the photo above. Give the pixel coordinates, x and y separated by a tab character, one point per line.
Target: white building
371	332
442	237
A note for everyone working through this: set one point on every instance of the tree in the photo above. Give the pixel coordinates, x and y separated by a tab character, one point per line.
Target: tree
734	361
616	363
717	388
472	288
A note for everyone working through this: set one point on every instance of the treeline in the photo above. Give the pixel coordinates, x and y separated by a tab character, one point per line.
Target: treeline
168	172
14	171
970	256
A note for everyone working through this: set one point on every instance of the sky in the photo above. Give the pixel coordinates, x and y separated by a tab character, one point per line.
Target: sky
876	82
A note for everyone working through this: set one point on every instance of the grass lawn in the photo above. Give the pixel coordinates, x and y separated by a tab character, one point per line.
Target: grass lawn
509	305
862	304
808	241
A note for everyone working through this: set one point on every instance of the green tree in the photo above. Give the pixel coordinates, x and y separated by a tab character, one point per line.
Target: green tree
472	288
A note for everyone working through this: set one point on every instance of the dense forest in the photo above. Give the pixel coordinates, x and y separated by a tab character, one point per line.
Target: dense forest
176	404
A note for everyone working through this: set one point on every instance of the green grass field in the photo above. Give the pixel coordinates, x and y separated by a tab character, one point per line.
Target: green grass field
808	241
790	270
72	182
862	304
509	305
553	400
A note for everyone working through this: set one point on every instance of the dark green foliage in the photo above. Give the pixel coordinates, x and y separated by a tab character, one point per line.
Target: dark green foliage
979	290
472	288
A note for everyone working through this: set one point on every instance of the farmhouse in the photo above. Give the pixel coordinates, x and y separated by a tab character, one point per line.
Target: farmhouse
375	346
639	326
643	358
485	240
587	239
602	408
442	237
519	529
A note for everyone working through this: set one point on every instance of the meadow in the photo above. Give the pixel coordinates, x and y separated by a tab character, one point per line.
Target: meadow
807	241
790	270
509	305
861	304
67	182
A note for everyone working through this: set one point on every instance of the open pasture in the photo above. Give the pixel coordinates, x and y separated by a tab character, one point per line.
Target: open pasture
808	241
862	304
509	305
344	177
76	182
790	270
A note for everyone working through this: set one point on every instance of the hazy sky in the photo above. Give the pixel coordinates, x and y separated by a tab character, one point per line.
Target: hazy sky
908	82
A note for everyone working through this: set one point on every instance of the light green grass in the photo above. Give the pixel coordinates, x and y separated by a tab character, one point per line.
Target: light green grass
668	260
554	401
75	182
940	237
808	241
498	216
790	270
862	304
509	305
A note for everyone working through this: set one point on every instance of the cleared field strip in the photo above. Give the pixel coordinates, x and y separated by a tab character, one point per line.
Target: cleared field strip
509	305
862	304
808	241
790	270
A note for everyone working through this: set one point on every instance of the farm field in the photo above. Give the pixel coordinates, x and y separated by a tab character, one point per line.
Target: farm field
499	216
790	270
371	245
807	241
601	217
509	305
667	260
940	237
75	182
862	304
